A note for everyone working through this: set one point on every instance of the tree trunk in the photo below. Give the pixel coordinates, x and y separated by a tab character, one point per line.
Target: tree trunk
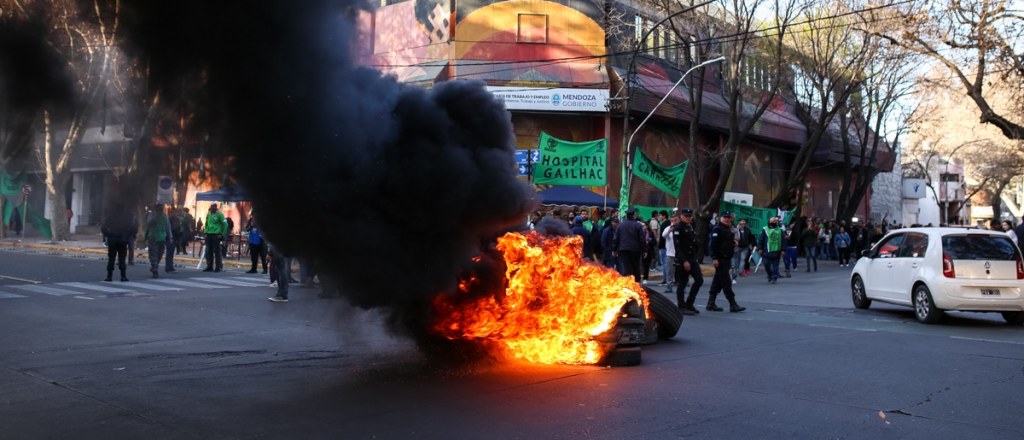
56	186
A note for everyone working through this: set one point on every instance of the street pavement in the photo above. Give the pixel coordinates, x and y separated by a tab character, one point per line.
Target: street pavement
205	355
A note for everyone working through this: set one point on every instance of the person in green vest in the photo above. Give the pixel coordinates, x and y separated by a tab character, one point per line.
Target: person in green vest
769	247
215	228
158	237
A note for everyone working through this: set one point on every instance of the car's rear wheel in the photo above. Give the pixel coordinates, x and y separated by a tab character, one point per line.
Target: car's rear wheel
924	306
860	297
1014	318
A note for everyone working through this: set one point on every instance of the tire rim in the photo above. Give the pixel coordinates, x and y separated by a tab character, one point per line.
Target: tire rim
858	290
921	303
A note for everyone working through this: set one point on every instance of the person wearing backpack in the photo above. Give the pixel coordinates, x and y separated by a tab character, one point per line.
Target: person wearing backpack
257	246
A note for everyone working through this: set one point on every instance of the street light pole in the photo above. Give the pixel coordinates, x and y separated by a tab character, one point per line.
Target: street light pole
630	78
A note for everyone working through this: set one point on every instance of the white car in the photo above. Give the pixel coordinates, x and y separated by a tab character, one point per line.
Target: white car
937	269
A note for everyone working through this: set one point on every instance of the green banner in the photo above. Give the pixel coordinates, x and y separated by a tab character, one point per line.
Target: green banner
624	191
757	218
11	186
669	179
571	163
645	211
42	224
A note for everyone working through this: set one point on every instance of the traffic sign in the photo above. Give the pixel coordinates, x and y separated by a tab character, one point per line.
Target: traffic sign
524	169
534	156
521	156
26	189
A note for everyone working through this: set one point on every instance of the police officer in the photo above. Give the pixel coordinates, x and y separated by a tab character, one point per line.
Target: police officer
723	244
685	241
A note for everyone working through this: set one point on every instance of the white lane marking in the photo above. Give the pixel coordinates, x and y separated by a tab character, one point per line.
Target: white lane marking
5	295
150	286
258	280
47	290
229	282
84	297
188	284
986	340
96	287
24	280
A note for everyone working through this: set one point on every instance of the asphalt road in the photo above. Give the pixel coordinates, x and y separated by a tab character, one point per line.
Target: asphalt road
215	359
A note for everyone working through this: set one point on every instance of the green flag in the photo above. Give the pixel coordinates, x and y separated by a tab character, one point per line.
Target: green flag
42	224
571	163
624	191
757	218
11	186
668	179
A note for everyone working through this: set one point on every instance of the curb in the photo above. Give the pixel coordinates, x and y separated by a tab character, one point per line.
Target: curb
57	247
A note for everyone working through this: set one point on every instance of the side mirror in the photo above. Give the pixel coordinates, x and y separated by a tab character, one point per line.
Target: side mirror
866	253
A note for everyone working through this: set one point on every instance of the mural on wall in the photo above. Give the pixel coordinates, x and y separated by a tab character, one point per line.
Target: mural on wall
760	172
537	36
410	39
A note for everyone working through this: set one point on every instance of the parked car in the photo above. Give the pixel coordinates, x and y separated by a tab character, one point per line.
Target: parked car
938	269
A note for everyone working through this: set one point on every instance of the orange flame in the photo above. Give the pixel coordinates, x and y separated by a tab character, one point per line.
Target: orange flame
554	305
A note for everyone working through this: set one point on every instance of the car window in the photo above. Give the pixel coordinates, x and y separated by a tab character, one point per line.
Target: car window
979	247
914	246
888	248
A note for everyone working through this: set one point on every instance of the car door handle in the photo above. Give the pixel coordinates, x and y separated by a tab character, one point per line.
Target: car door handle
888	265
914	265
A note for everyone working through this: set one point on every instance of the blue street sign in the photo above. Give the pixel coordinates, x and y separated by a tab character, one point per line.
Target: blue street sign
523	170
535	156
521	156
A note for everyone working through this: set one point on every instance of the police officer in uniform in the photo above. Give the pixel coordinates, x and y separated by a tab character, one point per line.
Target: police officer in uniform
723	244
685	241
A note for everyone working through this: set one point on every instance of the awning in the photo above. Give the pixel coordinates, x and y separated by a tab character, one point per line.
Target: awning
534	73
230	193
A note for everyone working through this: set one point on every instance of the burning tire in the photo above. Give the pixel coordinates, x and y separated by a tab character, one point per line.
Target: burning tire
667	315
650	332
622	357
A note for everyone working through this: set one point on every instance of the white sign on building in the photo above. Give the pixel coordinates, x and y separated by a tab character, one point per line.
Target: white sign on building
555	100
914	189
738	198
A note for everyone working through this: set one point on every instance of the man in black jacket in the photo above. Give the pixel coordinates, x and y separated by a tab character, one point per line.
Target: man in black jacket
723	243
118	228
684	239
630	245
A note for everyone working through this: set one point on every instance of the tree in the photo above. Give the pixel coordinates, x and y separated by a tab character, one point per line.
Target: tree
830	58
979	42
86	39
876	116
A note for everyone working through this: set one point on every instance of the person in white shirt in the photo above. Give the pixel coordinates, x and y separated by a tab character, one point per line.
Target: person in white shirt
670	251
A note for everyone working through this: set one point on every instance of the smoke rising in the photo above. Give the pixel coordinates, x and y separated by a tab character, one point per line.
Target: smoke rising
391	189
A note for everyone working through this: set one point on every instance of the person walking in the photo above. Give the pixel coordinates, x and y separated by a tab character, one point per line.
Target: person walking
744	239
282	267
669	277
650	255
215	229
769	247
790	253
842	241
809	240
630	245
723	243
654	226
685	240
608	244
158	237
257	246
118	229
663	247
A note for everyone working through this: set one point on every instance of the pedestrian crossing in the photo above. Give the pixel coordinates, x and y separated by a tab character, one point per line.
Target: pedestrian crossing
89	290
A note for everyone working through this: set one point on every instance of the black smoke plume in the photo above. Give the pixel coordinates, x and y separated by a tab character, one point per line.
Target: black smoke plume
391	189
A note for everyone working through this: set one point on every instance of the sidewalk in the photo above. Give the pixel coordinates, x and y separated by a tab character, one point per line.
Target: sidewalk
93	244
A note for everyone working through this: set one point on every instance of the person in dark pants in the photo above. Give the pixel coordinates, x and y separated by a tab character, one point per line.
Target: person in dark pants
158	237
283	269
630	245
118	229
216	227
723	243
684	239
769	246
257	247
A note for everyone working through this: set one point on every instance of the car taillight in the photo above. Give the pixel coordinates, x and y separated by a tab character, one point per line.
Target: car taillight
949	272
1020	268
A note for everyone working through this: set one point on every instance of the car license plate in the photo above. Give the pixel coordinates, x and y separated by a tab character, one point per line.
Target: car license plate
990	292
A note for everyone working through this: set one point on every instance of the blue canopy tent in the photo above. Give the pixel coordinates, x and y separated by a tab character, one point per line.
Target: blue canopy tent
230	193
575	196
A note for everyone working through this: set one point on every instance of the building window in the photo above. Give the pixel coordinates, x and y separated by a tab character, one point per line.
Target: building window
533	28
